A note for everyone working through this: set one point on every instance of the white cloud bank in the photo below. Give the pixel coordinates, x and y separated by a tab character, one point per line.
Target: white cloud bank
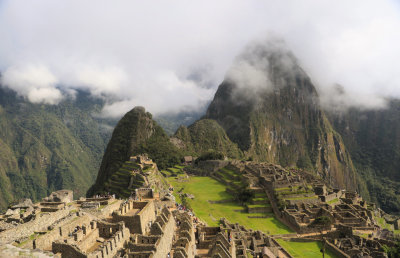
166	55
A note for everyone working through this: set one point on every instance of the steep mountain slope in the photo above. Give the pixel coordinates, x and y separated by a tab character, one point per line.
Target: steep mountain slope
373	140
204	135
135	133
44	148
270	108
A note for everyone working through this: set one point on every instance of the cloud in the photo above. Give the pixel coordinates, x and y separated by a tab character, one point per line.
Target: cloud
35	82
172	55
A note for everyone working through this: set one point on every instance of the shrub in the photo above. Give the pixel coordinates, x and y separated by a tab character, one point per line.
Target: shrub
210	155
244	195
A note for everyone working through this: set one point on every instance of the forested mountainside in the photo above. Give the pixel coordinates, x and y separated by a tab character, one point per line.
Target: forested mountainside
135	133
49	147
280	120
373	140
205	135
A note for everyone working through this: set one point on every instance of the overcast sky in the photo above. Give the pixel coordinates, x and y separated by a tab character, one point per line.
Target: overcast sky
169	55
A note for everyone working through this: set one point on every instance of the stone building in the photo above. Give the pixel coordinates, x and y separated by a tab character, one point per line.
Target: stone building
137	216
184	244
158	242
98	239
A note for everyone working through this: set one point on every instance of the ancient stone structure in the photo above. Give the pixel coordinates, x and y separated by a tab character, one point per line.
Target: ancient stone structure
65	196
158	243
184	244
136	173
94	240
137	216
344	243
232	240
56	201
147	224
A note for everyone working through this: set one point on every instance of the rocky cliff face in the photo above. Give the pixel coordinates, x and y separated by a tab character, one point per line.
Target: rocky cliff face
268	106
373	140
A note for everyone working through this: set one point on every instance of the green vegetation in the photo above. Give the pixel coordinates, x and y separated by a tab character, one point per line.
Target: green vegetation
295	193
205	135
161	150
305	249
207	189
382	223
333	201
210	155
119	182
322	221
373	140
49	147
136	133
392	252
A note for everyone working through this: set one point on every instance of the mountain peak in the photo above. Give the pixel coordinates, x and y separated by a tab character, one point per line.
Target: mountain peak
269	106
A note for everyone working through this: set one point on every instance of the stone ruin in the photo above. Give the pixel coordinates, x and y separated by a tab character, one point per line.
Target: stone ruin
56	201
184	242
232	240
302	201
344	243
158	241
94	240
148	226
19	213
139	172
25	211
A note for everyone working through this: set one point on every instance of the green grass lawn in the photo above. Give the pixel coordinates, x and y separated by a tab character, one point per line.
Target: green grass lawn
382	223
206	188
333	201
304	249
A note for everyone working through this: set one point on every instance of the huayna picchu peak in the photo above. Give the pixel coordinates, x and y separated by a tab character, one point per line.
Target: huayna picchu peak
279	119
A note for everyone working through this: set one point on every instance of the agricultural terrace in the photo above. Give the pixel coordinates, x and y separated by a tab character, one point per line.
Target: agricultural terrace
212	202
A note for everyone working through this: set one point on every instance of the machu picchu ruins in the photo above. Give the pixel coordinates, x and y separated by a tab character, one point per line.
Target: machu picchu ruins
143	219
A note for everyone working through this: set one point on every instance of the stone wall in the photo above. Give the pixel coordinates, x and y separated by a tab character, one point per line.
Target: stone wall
67	250
79	245
259	210
112	245
136	223
339	253
159	242
44	242
40	223
311	201
144	192
184	245
165	244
